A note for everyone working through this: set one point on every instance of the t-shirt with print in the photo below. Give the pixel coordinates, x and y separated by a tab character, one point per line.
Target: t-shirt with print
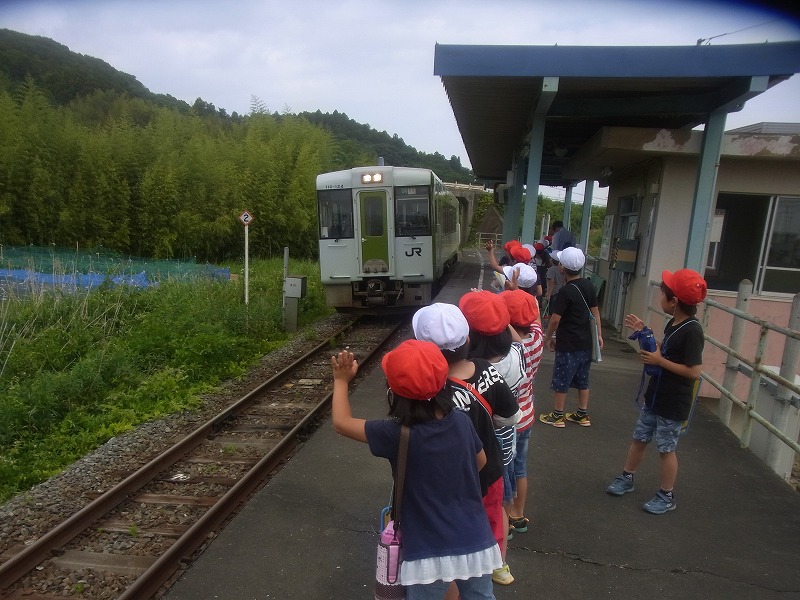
670	395
533	344
484	426
573	331
494	388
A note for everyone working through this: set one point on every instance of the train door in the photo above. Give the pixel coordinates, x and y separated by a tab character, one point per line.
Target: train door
374	232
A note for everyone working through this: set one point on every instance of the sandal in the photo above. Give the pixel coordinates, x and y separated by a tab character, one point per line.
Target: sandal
518	524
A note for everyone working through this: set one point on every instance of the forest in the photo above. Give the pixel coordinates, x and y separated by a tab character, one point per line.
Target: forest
89	158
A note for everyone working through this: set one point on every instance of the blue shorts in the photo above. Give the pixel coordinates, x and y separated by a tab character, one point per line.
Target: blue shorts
521	459
666	431
571	369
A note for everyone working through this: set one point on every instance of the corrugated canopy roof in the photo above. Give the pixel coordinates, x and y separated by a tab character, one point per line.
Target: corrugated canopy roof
494	91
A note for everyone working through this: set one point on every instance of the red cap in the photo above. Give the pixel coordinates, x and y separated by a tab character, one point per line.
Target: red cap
520	254
510	245
522	307
539	246
485	312
687	285
415	370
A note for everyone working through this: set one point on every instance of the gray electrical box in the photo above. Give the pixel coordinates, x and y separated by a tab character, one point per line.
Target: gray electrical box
295	286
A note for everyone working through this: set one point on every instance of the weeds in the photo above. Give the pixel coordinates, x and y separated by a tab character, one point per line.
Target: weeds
79	368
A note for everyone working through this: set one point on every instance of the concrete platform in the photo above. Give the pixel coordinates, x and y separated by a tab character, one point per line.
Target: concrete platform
312	532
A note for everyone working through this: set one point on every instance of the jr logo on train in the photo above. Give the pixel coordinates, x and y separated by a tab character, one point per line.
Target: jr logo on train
386	236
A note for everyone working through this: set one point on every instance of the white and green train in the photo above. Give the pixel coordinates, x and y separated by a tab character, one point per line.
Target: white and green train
386	236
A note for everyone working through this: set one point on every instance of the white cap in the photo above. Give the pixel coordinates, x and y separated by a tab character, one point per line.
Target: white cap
527	275
530	248
440	323
571	258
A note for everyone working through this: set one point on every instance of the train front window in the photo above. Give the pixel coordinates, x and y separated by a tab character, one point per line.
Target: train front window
412	210
335	214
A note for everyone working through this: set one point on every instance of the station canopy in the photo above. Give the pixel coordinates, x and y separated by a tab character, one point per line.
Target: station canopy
495	91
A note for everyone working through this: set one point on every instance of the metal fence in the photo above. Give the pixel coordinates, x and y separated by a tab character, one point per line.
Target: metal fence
781	417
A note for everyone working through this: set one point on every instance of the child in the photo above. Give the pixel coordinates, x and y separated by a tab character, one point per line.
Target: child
443	540
524	313
568	334
555	281
668	398
492	339
445	326
527	278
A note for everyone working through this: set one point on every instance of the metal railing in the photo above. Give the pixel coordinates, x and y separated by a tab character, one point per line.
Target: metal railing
787	392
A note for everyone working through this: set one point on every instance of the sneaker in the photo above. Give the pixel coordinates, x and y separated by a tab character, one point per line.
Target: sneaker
551	419
659	504
582	420
519	525
503	575
620	485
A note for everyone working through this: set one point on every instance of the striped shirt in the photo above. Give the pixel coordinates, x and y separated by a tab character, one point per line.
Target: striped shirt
534	346
512	368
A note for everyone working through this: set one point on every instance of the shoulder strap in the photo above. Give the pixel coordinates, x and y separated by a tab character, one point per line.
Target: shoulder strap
581	293
471	388
681	326
402	455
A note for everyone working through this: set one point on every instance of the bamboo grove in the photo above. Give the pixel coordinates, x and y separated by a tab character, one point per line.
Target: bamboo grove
121	173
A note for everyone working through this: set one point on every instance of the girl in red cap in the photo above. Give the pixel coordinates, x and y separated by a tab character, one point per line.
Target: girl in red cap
668	399
443	541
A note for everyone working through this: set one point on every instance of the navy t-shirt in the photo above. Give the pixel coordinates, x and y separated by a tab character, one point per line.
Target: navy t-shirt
442	511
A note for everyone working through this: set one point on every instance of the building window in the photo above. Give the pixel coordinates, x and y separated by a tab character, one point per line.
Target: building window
781	272
759	240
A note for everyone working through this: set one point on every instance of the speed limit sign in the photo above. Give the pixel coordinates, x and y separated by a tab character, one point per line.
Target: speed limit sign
246	218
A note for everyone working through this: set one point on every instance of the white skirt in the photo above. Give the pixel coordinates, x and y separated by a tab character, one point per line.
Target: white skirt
450	568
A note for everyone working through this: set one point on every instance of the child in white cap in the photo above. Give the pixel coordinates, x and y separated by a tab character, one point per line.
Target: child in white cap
568	334
478	390
493	339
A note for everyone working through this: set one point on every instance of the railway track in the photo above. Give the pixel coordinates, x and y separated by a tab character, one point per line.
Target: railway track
131	539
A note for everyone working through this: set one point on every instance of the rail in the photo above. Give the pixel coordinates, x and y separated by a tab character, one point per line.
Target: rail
782	426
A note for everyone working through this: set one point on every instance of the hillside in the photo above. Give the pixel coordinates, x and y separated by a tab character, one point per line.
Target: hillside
64	76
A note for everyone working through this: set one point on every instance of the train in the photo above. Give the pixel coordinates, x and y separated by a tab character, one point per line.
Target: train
387	236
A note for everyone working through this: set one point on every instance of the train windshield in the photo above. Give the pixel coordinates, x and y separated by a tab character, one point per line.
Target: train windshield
412	210
335	214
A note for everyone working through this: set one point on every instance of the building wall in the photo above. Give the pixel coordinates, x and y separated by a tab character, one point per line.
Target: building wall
669	183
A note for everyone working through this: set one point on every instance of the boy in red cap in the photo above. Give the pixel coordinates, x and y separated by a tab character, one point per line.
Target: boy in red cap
443	541
524	312
668	399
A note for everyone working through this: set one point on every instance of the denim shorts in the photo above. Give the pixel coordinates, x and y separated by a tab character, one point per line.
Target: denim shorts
666	431
520	464
571	369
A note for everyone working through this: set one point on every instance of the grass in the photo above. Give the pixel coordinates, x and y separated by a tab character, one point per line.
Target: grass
77	369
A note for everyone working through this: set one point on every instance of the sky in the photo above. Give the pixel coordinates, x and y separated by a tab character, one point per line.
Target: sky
373	60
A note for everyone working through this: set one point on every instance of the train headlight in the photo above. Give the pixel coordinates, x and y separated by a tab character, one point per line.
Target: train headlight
372	178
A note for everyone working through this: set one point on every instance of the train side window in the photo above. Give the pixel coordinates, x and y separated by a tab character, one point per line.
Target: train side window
412	210
335	214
